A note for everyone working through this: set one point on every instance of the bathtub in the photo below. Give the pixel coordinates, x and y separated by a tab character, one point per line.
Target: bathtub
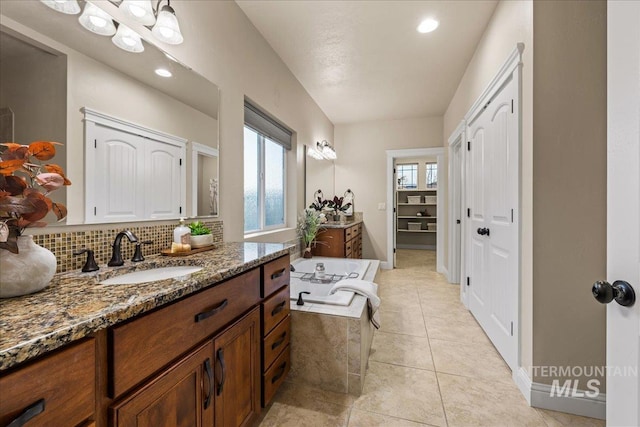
333	333
303	279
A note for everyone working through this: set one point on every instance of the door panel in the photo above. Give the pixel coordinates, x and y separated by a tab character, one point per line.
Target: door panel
163	181
500	203
623	209
179	397
119	168
237	370
493	195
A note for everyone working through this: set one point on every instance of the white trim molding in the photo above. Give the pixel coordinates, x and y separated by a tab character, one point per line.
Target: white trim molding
504	74
456	199
130	127
576	402
198	149
438	153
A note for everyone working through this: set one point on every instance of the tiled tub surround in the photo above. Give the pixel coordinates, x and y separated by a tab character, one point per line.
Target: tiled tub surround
74	305
330	344
100	240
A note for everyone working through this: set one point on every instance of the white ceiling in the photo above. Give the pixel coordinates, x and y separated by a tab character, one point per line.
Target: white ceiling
364	60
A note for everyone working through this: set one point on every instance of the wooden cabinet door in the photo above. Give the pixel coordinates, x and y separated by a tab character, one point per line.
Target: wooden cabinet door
180	397
237	367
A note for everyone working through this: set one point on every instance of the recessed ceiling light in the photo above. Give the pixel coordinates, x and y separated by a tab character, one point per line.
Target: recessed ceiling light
163	72
428	25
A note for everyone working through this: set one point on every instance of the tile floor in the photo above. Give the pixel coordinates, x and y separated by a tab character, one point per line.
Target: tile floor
430	365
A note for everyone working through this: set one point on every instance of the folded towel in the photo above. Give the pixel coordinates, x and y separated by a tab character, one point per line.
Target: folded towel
364	288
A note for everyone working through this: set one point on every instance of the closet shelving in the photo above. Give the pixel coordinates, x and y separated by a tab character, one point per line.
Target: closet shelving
406	211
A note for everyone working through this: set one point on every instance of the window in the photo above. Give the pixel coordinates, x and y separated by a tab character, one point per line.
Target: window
265	146
407	175
432	175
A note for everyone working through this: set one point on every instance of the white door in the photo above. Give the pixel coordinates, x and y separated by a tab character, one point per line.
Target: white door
623	209
492	231
455	219
119	176
163	195
394	190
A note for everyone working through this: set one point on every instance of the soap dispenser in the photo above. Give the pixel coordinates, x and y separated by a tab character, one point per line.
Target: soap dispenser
182	233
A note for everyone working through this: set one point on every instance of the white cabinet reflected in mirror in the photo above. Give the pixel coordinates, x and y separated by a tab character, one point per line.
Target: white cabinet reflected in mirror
56	71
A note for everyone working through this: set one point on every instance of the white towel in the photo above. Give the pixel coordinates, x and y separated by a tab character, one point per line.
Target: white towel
366	289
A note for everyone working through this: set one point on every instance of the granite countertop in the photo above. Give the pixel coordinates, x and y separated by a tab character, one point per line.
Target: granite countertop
74	305
338	224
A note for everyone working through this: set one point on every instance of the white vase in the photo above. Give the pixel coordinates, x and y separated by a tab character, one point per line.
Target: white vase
201	241
26	272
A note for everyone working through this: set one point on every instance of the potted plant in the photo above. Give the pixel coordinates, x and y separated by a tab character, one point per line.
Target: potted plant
25	185
200	235
308	229
337	205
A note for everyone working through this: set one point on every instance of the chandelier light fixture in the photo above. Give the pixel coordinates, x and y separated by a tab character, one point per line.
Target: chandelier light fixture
161	20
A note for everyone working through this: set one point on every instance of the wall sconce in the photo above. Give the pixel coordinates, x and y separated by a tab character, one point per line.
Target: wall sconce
163	19
322	150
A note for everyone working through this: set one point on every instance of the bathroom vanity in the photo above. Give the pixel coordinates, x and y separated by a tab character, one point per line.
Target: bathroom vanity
206	349
342	240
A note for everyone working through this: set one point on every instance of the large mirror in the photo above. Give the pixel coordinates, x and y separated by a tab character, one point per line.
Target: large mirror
61	82
319	175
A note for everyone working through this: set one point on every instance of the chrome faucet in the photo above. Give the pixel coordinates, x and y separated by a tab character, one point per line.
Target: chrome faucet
116	254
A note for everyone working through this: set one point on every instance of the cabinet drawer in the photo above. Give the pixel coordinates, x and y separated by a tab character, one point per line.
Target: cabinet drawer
275	309
348	233
144	345
276	341
61	384
276	275
272	379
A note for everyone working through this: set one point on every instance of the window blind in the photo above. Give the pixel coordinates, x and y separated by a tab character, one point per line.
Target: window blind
261	123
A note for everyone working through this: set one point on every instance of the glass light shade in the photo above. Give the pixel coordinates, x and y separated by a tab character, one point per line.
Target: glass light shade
313	152
127	39
97	20
70	7
140	10
167	28
328	152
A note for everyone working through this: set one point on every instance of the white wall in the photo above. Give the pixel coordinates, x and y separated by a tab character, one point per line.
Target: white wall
361	166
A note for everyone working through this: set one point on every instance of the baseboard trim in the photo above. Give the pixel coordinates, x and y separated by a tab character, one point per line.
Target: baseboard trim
538	395
385	265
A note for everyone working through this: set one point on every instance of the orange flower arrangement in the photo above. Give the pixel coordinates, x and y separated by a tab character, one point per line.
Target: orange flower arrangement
25	184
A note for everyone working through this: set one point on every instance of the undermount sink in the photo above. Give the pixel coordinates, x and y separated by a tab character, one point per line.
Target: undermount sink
150	275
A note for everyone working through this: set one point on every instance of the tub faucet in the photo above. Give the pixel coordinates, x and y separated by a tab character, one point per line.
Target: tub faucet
300	300
116	254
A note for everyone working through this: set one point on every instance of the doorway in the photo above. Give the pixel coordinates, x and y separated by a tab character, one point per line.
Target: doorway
397	156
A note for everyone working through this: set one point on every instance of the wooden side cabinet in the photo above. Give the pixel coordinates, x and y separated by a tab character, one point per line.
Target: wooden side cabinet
182	396
340	242
237	355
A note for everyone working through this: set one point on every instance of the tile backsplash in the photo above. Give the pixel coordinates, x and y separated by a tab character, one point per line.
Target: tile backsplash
64	244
